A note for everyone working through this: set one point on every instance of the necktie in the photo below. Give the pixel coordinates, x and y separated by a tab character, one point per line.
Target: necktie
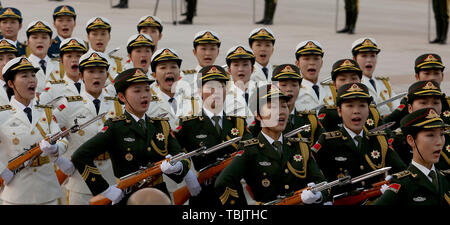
43	65
141	123
316	89
373	84
266	71
174	106
216	123
278	147
359	140
246	97
27	110
97	105
78	86
432	174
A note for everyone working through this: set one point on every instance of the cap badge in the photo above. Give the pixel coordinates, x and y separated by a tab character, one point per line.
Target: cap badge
208	35
213	70
64	9
432	114
149	19
240	50
430	85
367	42
39	24
430	58
311	44
98	21
347	63
141	38
94	56
355	87
4	43
288	69
9	12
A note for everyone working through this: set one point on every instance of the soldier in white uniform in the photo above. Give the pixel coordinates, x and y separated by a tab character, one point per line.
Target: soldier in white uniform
309	59
71	50
39	34
23	124
8	51
261	40
99	34
91	102
365	51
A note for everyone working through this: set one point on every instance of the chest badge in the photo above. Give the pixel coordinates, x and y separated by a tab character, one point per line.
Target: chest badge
129	157
370	122
234	131
129	139
265	182
419	199
15	141
160	136
201	136
298	157
265	163
375	154
81	132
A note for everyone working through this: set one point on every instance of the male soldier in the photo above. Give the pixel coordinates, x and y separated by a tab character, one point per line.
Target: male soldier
64	20
421	94
272	165
10	24
421	183
39	39
309	59
69	84
351	14
365	52
261	40
440	9
191	11
352	150
133	140
8	51
99	33
212	127
427	67
344	71
269	12
82	107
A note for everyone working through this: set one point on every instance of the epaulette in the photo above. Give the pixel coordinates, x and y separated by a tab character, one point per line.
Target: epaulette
57	81
118	118
402	174
116	57
43	106
307	112
373	105
376	133
445	172
74	98
330	106
249	142
327	82
159	118
382	78
187	118
192	71
5	107
111	98
332	134
57	59
154	98
297	139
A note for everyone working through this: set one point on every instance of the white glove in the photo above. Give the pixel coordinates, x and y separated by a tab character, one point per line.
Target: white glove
48	149
308	197
388	178
328	203
113	193
65	165
383	188
192	183
169	169
7	175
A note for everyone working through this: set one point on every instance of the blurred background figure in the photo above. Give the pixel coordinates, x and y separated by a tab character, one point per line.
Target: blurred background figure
440	9
123	4
269	12
351	14
191	11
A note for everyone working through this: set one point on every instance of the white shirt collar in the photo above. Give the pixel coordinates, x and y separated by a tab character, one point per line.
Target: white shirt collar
61	39
307	83
37	59
423	169
137	118
20	105
270	140
90	97
2	83
353	134
211	114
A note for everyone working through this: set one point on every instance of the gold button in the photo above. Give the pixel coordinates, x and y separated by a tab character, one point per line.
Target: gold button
363	183
264	174
128	149
340	169
286	186
32	132
361	167
149	149
286	171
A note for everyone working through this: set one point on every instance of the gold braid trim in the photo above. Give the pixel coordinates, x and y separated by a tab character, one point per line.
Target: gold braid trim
384	148
166	131
41	130
313	120
118	108
89	169
240	127
447	199
48	114
445	157
305	153
226	194
375	114
118	63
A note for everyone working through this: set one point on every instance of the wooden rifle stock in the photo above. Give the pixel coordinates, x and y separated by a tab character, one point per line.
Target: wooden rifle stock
375	191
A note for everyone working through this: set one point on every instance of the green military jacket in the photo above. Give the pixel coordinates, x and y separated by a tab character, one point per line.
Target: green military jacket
267	174
129	148
330	119
197	131
337	155
412	187
296	120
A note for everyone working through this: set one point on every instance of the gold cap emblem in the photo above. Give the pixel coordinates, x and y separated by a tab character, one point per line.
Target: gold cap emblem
98	21
310	44
240	50
288	69
347	63
141	38
94	56
64	9
355	87
429	86
432	114
213	70
368	42
430	58
39	24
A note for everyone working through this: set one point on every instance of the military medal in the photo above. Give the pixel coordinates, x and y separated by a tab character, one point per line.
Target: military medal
298	157
265	182
129	157
160	136
234	131
370	122
375	154
15	141
447	148
447	113
81	132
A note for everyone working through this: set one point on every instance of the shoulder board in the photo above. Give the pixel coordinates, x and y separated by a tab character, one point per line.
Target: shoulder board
159	118
5	107
382	78
327	82
376	133
74	98
43	106
306	140
307	112
154	98
402	174
373	106
190	71
111	98
116	57
118	118
57	81
55	59
332	134
187	118
445	172
330	106
250	142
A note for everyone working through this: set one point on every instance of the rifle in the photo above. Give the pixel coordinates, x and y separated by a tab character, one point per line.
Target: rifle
181	195
145	173
359	195
392	99
110	53
17	163
382	127
295	198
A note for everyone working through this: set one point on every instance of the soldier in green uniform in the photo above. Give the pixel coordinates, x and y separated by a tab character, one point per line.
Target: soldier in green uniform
422	183
10	25
427	66
64	21
269	12
344	71
132	140
210	128
288	79
271	164
440	9
351	14
352	150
